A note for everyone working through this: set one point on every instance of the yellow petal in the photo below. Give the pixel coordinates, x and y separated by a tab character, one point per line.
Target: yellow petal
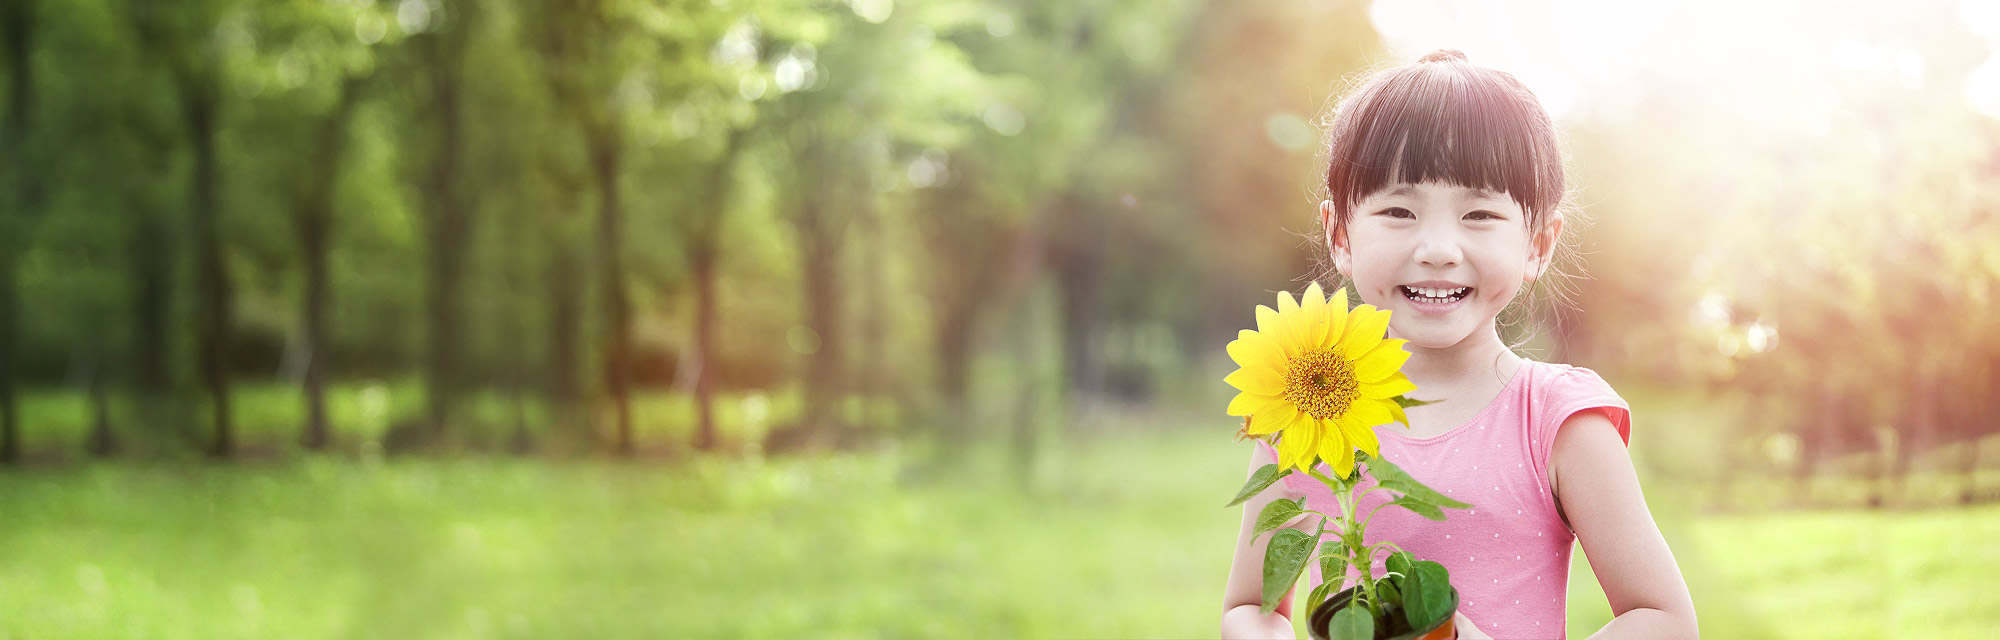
1386	358
1336	318
1274	418
1255	349
1367	327
1333	445
1285	303
1250	404
1343	465
1270	324
1370	413
1296	449
1313	324
1259	379
1362	435
1293	324
1396	410
1397	384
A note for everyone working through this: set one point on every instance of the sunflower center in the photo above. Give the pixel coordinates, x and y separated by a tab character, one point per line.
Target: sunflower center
1321	384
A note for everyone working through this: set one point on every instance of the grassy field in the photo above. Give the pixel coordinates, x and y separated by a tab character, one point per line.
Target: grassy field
267	416
1121	535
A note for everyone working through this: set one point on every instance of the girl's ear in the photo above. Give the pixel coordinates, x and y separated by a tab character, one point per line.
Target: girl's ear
1336	238
1543	250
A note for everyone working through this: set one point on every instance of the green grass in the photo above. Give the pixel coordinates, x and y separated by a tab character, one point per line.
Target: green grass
269	415
1123	535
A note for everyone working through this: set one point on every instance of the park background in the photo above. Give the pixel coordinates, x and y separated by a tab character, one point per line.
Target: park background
875	318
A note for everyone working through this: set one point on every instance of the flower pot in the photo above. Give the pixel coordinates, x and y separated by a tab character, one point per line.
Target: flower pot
1395	629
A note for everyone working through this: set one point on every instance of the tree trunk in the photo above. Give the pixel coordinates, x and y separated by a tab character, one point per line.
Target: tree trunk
152	264
1822	424
564	310
1969	491
102	442
954	348
877	367
1080	269
313	231
315	221
819	246
610	228
19	205
1922	419
200	99
10	427
448	227
703	242
704	345
1026	429
1034	381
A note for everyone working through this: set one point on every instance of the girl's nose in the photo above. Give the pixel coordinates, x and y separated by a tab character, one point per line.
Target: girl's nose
1438	250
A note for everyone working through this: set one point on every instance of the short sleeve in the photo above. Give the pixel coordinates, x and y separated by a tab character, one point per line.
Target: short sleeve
1565	393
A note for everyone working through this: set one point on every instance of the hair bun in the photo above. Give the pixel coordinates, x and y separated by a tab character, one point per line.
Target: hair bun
1443	55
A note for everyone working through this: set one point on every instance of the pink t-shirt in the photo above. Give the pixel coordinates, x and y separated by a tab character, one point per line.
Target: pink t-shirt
1509	554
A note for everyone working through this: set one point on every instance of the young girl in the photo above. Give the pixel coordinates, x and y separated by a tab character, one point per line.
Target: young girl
1444	194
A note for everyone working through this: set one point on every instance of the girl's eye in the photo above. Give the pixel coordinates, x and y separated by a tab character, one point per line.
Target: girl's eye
1488	215
1397	212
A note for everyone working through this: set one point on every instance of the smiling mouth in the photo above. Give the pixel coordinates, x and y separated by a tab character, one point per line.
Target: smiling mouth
1434	296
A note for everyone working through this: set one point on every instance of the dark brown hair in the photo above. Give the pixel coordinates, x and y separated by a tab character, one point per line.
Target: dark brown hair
1442	118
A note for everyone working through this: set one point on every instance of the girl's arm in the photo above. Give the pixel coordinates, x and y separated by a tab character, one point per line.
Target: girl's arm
1243	595
1598	494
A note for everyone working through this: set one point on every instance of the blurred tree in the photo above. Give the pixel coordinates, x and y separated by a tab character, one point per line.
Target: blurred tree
183	39
838	120
1074	134
320	58
438	54
591	51
24	200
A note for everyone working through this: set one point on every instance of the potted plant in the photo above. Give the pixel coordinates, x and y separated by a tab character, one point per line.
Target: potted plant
1315	380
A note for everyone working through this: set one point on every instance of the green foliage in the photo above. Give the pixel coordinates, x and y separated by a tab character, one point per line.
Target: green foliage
1263	477
1332	563
1428	598
1317	598
1391	477
1351	623
1277	513
1399	562
1284	559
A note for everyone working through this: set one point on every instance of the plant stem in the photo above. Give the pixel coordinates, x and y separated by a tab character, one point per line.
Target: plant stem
1350	525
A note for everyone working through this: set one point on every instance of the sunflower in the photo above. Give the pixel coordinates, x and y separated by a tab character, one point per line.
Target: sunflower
1320	376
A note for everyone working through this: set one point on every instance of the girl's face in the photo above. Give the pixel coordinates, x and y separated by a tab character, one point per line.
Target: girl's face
1469	247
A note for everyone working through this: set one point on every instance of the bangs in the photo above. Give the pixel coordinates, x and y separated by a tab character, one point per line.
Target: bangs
1452	123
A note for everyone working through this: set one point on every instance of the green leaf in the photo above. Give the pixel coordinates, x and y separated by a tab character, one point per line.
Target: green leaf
1392	477
1277	514
1426	595
1352	623
1332	568
1421	508
1385	589
1407	402
1318	597
1399	562
1262	478
1284	559
1332	548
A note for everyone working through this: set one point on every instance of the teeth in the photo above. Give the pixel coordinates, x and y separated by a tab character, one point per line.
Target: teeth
1436	293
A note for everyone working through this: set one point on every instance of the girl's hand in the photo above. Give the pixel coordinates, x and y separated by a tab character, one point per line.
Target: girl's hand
1467	630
